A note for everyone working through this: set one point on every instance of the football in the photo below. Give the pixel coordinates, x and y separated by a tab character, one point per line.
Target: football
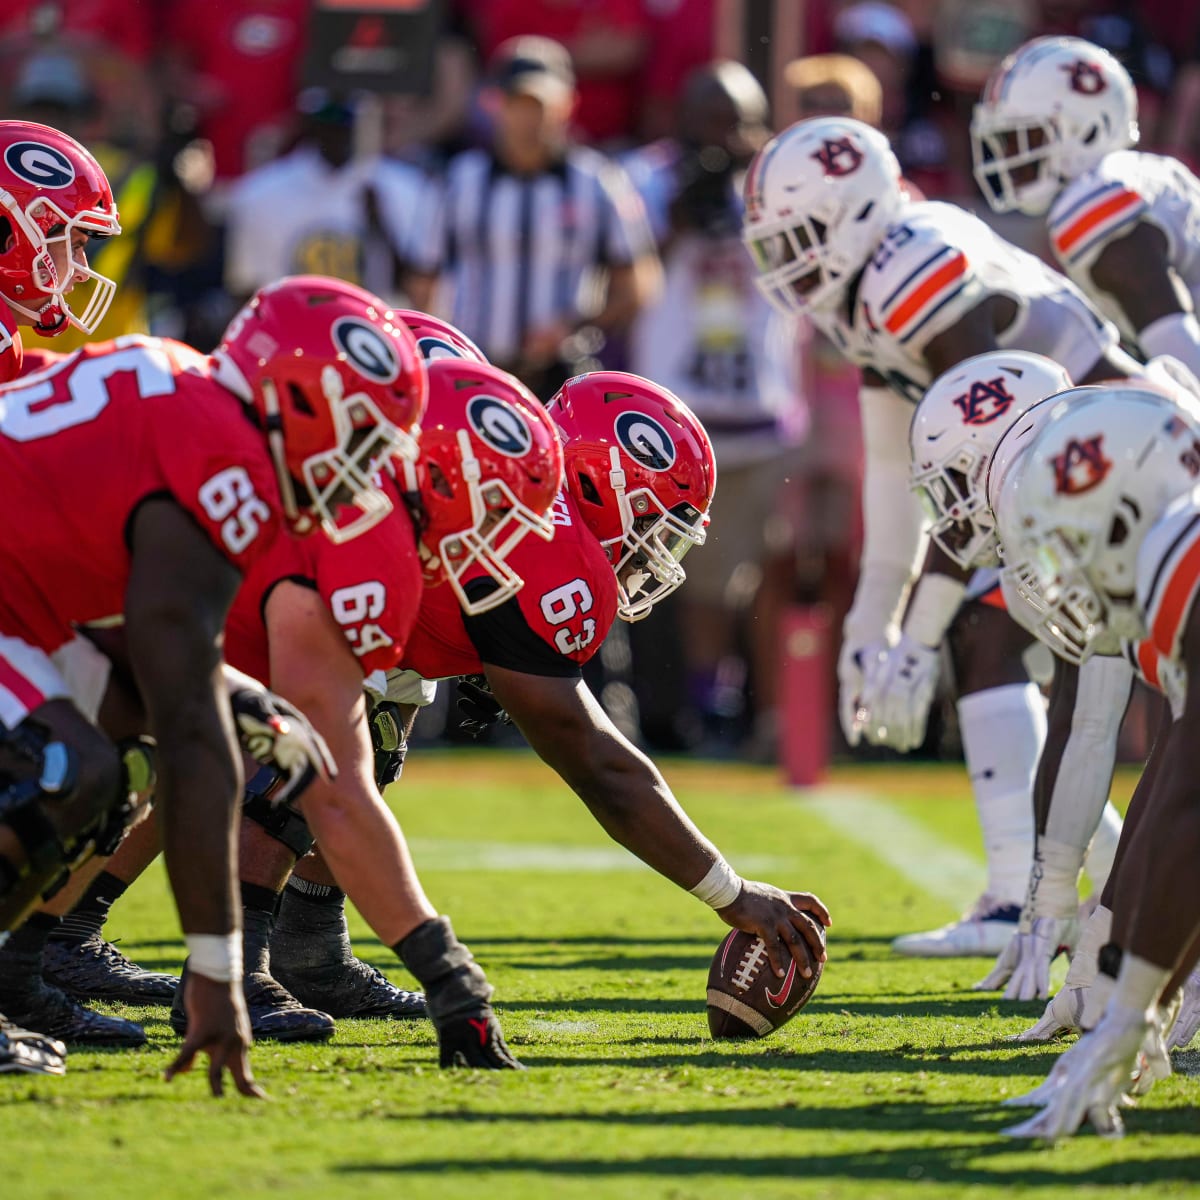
745	998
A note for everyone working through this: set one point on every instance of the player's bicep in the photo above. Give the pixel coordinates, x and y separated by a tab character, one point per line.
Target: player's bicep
1135	270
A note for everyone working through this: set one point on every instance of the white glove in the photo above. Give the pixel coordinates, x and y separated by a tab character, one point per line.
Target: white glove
1095	1076
277	734
897	691
1188	1020
1024	964
856	658
1063	1014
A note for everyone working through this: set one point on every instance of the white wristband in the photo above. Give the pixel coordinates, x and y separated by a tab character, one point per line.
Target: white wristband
216	956
721	886
935	601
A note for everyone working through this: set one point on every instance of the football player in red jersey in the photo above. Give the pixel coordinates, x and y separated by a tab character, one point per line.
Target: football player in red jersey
168	471
54	196
640	478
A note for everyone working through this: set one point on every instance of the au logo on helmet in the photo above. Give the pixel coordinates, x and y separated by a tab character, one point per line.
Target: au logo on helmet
1081	466
645	440
39	164
987	401
365	349
500	425
839	156
1086	78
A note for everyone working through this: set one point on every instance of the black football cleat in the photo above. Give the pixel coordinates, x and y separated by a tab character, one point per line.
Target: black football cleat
275	1014
351	989
35	1004
94	969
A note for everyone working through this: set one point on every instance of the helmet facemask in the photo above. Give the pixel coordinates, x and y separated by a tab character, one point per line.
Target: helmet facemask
43	225
1016	161
647	557
794	274
499	523
953	498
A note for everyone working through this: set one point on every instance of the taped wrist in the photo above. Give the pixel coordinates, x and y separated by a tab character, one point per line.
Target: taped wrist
283	823
387	739
1054	880
454	983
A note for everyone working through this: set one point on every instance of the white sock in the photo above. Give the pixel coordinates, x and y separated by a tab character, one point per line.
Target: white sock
1003	731
1103	849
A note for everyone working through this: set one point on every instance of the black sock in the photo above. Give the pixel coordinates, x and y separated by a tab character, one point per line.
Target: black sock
88	916
311	930
315	893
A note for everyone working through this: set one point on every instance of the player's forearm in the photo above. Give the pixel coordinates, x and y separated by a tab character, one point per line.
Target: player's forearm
365	848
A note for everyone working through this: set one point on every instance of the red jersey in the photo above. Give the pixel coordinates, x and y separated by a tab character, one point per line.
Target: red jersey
371	585
566	608
11	351
84	442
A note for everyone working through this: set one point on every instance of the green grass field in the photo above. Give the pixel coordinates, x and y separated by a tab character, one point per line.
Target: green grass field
886	1085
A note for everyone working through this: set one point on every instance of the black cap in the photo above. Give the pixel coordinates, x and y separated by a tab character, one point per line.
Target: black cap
533	66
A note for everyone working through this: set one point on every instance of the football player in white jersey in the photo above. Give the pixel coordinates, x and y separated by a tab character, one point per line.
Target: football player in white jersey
1099	515
906	291
1053	135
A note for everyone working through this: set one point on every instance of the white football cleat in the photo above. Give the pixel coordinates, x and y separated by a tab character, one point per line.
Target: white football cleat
983	932
1095	1076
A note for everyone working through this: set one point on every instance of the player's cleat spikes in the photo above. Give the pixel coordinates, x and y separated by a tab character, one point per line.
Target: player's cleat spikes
94	969
33	1003
351	989
981	933
275	1014
26	1053
1063	1014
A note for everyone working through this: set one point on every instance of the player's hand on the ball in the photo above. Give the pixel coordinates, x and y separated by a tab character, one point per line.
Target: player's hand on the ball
778	917
219	1026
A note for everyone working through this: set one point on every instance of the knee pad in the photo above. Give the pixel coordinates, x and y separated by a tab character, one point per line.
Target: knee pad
283	823
387	738
37	853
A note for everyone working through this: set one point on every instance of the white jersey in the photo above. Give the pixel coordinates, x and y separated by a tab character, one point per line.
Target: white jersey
1105	203
936	264
301	216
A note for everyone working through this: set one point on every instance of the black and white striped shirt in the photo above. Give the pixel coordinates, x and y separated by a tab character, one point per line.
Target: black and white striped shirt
521	251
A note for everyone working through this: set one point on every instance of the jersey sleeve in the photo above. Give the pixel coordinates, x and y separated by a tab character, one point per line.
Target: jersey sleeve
11	350
1168	574
920	282
1094	209
372	586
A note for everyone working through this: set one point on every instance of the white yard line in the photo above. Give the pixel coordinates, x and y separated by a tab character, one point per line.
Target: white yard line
939	868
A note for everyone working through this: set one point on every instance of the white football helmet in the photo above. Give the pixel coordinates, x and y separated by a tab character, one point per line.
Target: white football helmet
1075	506
819	197
1050	111
955	430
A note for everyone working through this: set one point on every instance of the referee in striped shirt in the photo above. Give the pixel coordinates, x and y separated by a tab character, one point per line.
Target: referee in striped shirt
532	238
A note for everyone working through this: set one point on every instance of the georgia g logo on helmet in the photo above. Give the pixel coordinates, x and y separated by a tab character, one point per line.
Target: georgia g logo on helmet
434	349
645	441
500	425
365	349
39	164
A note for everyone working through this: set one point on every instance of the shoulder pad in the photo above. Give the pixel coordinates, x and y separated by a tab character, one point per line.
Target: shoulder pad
1097	204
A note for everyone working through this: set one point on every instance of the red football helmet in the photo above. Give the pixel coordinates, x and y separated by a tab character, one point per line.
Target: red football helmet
51	187
641	469
438	339
336	382
489	470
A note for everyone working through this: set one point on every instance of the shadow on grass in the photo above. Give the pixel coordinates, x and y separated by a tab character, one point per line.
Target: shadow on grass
981	1162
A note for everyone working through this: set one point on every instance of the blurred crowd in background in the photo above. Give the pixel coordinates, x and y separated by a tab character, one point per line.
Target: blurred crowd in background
564	185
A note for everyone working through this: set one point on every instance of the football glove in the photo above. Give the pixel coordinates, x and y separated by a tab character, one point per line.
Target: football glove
1024	964
387	740
897	690
854	660
479	709
277	734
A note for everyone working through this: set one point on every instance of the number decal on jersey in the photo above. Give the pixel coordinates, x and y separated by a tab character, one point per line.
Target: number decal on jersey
353	608
893	240
562	604
560	514
229	498
42	409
